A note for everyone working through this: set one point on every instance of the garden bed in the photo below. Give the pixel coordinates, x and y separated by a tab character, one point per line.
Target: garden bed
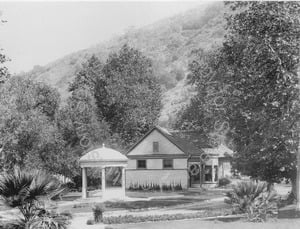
165	217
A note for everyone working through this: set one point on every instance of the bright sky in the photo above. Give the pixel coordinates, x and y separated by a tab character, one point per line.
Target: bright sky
37	33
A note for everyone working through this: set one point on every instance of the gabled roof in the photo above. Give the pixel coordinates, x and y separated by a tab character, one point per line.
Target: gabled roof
183	145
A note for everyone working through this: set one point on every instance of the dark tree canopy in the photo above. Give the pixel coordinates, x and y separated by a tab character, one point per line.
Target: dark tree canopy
262	50
256	72
126	92
26	127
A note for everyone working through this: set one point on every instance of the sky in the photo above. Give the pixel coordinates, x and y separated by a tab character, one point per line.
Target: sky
37	33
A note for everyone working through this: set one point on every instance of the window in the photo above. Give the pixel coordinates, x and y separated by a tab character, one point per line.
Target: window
155	147
167	163
141	164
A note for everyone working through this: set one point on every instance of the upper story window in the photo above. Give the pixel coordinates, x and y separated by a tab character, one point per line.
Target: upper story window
155	147
167	163
141	164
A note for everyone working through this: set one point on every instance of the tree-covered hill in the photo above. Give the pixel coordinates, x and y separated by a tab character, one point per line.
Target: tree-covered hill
169	43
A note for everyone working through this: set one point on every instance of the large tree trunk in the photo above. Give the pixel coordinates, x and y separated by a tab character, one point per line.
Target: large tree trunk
294	187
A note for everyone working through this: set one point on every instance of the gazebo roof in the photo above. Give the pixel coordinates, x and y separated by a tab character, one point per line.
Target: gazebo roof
102	156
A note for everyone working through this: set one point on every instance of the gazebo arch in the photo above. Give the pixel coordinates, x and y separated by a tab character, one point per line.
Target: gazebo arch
104	158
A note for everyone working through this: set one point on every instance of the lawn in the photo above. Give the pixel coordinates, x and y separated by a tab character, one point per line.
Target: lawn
188	199
153	203
135	205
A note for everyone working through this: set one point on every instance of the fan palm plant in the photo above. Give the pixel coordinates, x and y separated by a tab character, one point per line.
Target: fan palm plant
25	190
49	221
254	199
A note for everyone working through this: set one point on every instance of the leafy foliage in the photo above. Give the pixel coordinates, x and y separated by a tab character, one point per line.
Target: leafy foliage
98	211
262	52
26	122
250	84
223	181
49	220
254	199
155	187
26	190
125	91
4	74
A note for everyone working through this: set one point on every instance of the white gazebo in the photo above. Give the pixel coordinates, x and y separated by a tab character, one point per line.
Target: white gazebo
104	158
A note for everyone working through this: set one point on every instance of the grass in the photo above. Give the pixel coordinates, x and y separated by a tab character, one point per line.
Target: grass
135	205
154	203
192	200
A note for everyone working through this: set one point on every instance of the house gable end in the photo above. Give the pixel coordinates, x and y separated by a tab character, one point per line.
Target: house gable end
145	145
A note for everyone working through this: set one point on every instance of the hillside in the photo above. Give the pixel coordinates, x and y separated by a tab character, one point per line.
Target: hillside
168	43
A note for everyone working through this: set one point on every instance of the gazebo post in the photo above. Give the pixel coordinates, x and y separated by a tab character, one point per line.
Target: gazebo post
84	183
103	181
123	180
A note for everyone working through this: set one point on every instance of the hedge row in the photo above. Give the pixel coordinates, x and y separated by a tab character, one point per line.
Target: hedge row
165	217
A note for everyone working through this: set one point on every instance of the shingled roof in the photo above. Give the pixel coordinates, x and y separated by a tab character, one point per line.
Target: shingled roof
185	146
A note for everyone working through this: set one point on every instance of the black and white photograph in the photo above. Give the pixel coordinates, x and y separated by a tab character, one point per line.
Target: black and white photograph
149	114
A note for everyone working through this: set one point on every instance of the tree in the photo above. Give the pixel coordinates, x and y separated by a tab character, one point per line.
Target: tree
126	92
257	68
47	99
207	110
81	131
27	127
262	49
130	98
4	74
3	69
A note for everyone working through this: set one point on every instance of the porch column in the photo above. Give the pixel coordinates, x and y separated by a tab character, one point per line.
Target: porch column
103	181
213	175
84	183
123	180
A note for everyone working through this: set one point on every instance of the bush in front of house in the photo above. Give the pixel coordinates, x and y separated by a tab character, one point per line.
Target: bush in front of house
98	211
224	181
155	187
254	199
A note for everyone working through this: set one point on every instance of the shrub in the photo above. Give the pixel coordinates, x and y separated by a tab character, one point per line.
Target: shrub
179	216
13	225
25	190
254	199
98	212
90	222
155	187
49	220
223	182
178	187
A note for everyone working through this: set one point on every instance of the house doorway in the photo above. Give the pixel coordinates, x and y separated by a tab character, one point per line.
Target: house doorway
195	175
